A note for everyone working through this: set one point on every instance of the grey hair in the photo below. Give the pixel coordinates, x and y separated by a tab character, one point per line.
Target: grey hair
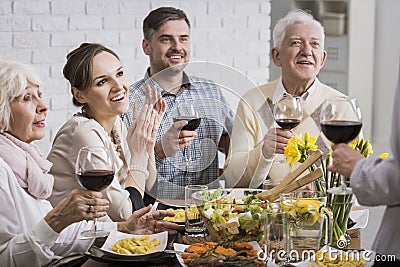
294	17
14	77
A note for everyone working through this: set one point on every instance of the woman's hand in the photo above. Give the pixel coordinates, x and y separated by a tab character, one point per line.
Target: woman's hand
145	222
160	107
142	133
78	206
344	159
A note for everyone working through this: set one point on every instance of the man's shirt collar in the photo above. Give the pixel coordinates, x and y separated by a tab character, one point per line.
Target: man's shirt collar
280	91
185	82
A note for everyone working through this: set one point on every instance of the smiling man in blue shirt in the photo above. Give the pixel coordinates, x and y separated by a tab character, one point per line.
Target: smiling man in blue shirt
167	43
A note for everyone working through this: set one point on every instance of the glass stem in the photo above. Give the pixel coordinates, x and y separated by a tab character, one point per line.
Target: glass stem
342	182
186	155
95	225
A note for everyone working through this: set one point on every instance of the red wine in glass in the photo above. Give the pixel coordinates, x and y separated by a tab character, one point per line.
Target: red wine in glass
288	112
287	124
94	170
187	111
341	123
95	180
341	131
193	122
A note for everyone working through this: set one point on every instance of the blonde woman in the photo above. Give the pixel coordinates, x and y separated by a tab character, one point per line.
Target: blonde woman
32	232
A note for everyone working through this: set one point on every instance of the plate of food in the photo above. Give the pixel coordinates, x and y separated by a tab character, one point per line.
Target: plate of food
124	245
179	217
231	254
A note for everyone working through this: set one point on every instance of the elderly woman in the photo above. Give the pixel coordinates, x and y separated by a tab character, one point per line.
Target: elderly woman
98	85
32	231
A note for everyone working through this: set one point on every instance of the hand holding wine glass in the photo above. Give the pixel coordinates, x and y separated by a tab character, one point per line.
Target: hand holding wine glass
94	170
288	112
188	112
341	122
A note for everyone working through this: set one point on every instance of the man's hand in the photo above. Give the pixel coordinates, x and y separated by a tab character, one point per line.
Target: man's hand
275	141
174	139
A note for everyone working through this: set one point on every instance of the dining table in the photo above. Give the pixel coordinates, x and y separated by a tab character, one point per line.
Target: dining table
97	259
162	259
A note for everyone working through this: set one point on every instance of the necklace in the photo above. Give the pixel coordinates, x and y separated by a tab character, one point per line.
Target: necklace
117	141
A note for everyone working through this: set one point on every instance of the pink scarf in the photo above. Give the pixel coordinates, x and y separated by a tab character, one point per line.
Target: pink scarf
28	165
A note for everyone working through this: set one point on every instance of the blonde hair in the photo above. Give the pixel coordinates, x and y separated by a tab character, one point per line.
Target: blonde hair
14	77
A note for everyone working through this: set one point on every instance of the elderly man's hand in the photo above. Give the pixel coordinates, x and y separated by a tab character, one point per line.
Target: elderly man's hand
78	206
275	141
144	222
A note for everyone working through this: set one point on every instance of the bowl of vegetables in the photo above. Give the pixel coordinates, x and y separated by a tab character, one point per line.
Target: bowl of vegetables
232	214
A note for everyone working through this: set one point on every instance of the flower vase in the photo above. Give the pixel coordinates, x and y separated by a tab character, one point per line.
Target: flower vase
340	206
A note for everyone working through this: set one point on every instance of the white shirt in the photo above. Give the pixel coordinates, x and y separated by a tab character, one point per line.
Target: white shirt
25	237
280	90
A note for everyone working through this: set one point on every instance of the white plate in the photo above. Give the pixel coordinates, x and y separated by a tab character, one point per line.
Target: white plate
182	247
115	236
360	217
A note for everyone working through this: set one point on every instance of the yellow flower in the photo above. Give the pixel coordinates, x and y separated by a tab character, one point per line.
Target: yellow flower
362	146
305	210
353	143
384	155
297	148
310	142
292	152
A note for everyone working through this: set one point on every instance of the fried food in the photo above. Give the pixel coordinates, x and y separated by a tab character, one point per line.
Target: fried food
135	245
232	254
201	248
242	245
224	251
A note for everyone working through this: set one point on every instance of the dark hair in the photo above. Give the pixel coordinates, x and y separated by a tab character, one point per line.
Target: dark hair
156	18
78	69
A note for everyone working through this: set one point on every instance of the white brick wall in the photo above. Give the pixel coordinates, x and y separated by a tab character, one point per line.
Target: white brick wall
42	32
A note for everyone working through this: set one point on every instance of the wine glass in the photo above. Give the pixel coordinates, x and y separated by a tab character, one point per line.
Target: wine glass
94	170
187	111
341	123
288	113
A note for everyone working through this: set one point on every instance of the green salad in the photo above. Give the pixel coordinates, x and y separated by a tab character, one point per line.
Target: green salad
233	219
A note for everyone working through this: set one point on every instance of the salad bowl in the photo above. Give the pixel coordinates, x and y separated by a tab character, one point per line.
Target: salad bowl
232	214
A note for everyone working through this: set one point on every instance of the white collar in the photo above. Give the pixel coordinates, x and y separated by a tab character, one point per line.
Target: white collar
280	90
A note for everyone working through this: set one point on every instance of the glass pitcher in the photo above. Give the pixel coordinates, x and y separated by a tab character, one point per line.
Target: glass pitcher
309	223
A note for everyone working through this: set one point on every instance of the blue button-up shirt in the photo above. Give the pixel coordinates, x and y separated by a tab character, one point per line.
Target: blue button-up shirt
216	119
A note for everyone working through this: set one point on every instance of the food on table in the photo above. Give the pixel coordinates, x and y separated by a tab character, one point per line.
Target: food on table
231	218
212	254
179	216
135	245
201	248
